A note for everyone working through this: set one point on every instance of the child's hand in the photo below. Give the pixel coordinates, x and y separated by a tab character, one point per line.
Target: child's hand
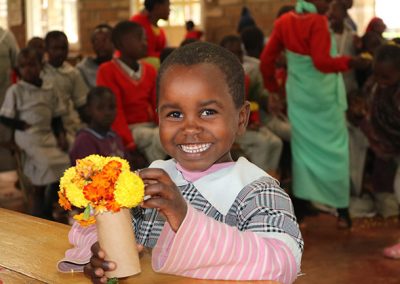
165	196
97	266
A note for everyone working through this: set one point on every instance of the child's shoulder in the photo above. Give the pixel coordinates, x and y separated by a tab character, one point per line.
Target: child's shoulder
148	67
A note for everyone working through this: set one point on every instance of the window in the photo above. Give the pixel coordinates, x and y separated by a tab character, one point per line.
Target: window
388	11
181	11
48	15
3	14
364	10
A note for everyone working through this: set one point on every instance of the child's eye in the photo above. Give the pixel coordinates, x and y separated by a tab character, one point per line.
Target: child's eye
175	114
208	112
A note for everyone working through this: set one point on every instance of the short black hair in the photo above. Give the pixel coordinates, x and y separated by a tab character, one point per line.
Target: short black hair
123	28
54	35
189	25
149	4
229	39
165	53
101	28
252	38
209	53
388	53
96	93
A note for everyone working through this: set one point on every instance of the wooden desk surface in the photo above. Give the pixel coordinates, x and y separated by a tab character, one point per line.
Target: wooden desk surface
30	248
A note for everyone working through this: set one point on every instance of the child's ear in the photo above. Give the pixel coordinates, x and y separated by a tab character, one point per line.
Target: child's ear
244	114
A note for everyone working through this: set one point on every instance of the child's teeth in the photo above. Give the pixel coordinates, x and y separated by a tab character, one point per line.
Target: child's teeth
195	148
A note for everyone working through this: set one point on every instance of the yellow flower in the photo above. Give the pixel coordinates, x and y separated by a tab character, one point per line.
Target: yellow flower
129	190
71	190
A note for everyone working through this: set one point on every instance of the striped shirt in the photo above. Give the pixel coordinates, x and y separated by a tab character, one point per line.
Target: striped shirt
257	236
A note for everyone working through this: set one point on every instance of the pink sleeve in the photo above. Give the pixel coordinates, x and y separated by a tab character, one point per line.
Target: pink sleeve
81	238
208	249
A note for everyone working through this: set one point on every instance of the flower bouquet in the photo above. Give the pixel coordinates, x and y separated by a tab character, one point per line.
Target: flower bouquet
106	189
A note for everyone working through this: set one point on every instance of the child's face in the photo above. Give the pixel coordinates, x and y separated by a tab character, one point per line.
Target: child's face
29	68
102	44
162	10
102	111
57	51
336	14
198	118
134	45
386	74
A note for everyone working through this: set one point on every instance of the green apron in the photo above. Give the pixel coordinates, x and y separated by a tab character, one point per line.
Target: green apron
316	109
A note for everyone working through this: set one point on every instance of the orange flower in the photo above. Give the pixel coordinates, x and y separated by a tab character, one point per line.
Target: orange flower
63	201
84	223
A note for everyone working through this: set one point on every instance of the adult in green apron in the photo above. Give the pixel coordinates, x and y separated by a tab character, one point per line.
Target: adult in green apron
316	105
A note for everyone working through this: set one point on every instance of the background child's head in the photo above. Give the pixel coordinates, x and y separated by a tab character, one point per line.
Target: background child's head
189	25
321	5
56	47
201	104
100	108
233	43
29	66
158	8
370	42
253	41
387	65
129	38
101	42
38	44
337	12
284	9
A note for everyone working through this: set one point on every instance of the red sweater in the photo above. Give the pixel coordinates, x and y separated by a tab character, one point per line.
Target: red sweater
136	100
156	42
306	34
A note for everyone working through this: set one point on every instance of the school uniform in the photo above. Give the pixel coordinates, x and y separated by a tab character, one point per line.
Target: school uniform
44	162
88	142
88	68
73	90
135	95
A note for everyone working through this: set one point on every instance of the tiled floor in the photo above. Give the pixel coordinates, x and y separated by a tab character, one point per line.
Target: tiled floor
331	256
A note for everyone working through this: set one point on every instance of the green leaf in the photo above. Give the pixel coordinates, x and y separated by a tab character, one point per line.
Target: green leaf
86	213
112	280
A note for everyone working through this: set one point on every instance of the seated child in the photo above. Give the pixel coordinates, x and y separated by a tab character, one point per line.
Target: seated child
191	32
133	83
208	216
104	50
98	138
67	80
262	146
385	116
34	109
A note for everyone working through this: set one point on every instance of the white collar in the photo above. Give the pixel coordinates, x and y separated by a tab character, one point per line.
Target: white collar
131	73
220	188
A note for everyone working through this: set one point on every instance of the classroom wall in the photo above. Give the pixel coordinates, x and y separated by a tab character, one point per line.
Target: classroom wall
222	16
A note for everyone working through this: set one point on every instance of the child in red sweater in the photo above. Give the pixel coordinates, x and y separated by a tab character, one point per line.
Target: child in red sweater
133	83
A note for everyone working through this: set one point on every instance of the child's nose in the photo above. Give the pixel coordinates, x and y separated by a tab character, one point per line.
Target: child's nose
192	125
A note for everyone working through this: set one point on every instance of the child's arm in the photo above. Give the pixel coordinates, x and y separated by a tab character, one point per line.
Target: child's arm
9	113
219	251
14	123
268	57
58	129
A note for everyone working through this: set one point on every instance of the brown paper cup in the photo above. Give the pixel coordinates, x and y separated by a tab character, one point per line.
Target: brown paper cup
117	239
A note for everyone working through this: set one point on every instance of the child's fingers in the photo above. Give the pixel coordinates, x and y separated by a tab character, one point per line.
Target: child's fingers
157	189
159	203
154	174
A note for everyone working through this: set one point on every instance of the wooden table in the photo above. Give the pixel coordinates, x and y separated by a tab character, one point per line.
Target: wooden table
30	248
